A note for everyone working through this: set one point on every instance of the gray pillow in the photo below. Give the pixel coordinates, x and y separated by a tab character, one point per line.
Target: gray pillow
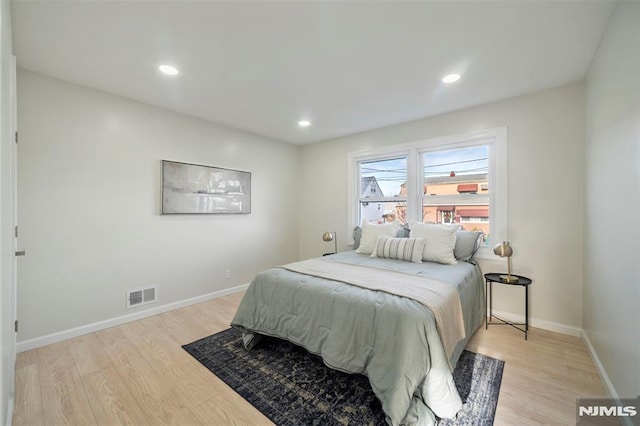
467	244
403	231
357	234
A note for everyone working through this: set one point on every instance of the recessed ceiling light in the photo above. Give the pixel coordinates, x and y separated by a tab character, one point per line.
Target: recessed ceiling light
451	78
304	123
168	69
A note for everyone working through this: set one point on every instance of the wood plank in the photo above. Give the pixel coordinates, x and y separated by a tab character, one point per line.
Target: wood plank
63	398
114	341
28	401
217	411
26	358
164	353
88	354
111	400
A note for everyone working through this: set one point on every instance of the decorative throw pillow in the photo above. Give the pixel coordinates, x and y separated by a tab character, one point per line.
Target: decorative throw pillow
440	241
467	244
408	249
357	234
403	231
370	232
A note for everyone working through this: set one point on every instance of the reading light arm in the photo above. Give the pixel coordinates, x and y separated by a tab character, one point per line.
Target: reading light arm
504	250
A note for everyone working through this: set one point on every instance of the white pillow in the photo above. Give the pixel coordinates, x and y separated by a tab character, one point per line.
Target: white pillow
440	240
408	249
370	232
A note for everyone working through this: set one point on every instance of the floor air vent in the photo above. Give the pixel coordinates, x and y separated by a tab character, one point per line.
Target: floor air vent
141	296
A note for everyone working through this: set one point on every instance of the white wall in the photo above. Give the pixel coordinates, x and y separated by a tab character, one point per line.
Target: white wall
612	202
89	195
546	156
7	336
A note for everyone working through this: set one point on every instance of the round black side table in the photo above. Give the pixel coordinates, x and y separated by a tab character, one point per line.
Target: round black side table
494	277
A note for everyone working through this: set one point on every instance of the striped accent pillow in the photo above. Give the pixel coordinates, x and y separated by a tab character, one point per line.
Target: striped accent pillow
409	249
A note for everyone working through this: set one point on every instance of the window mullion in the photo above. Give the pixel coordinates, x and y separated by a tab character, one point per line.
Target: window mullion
413	187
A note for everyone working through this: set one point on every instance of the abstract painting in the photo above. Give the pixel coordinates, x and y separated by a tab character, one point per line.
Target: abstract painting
196	189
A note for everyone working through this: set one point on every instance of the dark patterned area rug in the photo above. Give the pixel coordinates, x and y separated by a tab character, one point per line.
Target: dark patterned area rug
293	387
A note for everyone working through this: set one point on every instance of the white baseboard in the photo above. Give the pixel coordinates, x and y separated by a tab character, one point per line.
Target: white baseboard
112	322
543	324
603	374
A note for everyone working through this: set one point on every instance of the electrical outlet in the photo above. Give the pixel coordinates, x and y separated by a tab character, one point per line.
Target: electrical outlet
227	273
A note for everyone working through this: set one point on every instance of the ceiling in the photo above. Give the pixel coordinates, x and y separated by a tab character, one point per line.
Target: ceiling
346	66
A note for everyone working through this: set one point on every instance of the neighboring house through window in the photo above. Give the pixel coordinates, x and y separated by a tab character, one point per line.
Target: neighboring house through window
380	187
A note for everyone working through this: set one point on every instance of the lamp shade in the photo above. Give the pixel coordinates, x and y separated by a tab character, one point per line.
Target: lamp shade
503	249
327	236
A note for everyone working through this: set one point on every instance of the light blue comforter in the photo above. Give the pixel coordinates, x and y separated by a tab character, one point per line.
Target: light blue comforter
391	339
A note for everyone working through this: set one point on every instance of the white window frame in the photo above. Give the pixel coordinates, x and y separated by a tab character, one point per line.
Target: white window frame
497	140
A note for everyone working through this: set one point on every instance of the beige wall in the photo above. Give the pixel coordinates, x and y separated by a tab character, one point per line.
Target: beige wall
612	204
546	155
89	197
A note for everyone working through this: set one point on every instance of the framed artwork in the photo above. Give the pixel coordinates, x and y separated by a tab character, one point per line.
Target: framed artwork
196	189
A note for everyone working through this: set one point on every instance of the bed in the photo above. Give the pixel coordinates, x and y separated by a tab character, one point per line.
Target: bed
326	306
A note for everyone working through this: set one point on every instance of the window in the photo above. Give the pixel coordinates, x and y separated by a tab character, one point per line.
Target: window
381	182
451	181
459	179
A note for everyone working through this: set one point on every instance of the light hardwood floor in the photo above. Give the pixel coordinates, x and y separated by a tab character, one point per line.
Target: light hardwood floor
138	374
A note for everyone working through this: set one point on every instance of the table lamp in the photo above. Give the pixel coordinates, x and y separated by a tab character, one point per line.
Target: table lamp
331	236
504	250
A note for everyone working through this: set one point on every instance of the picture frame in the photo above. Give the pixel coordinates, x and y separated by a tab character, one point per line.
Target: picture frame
199	189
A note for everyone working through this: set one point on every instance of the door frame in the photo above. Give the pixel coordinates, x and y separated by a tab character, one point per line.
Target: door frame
8	213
